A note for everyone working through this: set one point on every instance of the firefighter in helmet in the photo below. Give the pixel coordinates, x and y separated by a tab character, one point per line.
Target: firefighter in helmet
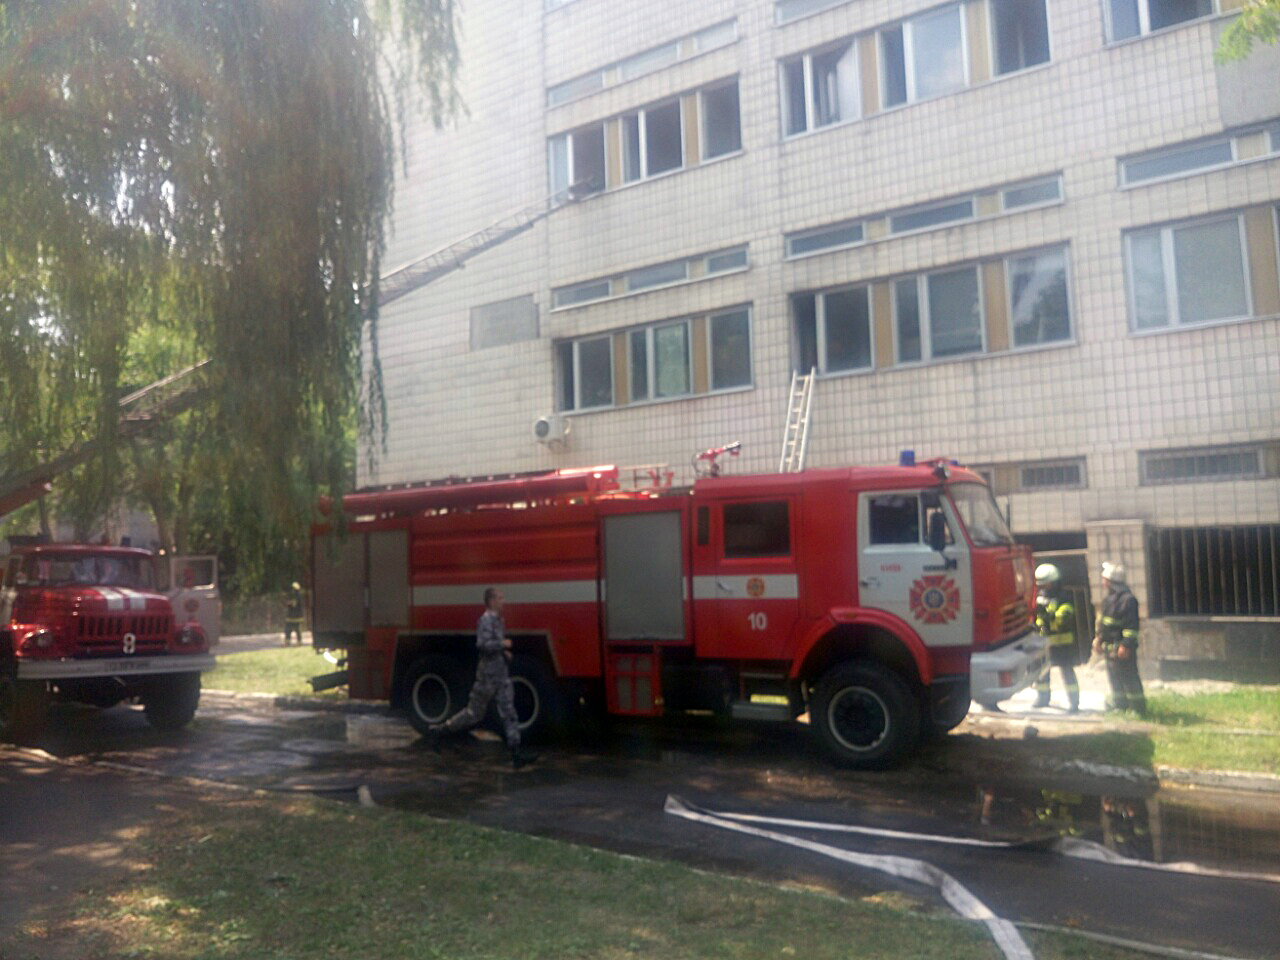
1056	620
293	614
1116	638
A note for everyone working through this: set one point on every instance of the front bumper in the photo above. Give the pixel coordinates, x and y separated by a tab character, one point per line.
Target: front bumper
996	675
114	667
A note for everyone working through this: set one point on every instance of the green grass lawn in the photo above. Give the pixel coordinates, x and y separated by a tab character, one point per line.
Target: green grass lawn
280	670
247	876
1236	731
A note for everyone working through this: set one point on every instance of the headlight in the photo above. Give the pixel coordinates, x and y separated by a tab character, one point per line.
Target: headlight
189	634
39	640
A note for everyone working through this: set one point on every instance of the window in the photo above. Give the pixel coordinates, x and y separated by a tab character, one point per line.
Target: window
938	315
506	321
1032	194
586	368
1021	32
1158	164
787	10
757	530
1038	308
833	330
657	276
820	88
1194	466
1215	571
647	278
1192	273
893	519
824	238
933	215
721	128
923	57
730	342
577	161
1130	18
649	61
652	142
582	86
660	361
1062	475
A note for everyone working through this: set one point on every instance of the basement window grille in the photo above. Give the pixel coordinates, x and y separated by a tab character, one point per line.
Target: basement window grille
1215	571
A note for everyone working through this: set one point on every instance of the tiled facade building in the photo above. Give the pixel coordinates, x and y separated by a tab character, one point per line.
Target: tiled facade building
1037	236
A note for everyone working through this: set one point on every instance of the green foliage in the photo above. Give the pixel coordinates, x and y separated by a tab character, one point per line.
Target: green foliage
1259	22
200	178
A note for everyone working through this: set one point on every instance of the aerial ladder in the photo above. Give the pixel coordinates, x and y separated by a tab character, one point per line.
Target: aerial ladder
179	391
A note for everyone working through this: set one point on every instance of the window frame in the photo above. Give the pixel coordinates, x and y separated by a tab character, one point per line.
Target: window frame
994	53
1007	265
642	125
1160	152
1168	265
576	351
1080	483
703	115
805	59
755	556
820	331
1144	20
745	311
568	137
1145	457
651	360
926	318
907	26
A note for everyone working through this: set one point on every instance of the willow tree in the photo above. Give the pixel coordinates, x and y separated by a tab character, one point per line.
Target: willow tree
219	167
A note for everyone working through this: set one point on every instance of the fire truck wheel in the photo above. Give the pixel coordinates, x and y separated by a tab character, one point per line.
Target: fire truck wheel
170	700
539	708
24	704
435	690
865	715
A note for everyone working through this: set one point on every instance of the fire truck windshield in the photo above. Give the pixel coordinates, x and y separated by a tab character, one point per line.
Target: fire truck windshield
88	570
980	515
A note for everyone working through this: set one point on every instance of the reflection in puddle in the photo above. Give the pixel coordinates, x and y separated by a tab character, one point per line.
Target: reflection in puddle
1212	828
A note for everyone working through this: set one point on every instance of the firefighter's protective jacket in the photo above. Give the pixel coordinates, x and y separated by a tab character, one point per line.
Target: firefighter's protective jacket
1118	621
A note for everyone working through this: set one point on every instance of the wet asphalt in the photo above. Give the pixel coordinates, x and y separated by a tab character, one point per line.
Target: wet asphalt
609	793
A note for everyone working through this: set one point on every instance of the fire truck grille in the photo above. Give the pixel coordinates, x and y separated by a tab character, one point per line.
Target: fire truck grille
105	635
1015	619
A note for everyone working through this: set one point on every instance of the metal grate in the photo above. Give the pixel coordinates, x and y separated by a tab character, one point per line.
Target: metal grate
1215	571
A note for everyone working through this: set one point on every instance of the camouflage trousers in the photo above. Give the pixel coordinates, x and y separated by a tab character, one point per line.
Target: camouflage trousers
493	683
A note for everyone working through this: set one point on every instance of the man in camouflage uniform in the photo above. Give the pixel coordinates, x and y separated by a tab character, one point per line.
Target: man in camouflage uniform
1056	620
1116	638
492	681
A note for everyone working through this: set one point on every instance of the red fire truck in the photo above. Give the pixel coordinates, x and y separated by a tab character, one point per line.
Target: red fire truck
87	623
878	601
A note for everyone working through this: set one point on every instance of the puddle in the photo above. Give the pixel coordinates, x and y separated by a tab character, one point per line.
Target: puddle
1211	828
379	733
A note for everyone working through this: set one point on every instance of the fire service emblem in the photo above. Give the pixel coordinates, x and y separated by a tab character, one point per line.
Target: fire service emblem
755	587
935	599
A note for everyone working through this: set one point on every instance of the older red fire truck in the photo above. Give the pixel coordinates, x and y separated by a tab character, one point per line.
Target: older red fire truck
87	623
877	600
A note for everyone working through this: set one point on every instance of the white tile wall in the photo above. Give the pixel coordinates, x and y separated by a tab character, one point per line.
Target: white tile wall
1104	396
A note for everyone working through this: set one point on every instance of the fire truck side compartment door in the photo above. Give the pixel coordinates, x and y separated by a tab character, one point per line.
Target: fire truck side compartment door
389	578
643	577
338	594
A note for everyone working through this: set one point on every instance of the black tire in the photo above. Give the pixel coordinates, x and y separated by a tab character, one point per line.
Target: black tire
434	690
865	715
170	700
539	705
24	706
944	716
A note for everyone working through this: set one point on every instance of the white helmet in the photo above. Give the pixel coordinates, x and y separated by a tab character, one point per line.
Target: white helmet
1046	574
1113	572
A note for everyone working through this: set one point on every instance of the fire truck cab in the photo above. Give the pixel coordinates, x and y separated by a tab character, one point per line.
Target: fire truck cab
88	623
877	601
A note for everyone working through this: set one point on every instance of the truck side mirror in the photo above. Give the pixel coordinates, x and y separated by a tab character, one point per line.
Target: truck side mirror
937	531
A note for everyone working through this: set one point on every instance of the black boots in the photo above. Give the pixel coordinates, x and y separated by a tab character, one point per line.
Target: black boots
520	757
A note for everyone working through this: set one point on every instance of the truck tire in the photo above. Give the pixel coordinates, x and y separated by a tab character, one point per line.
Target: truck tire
170	700
539	706
24	706
434	690
865	715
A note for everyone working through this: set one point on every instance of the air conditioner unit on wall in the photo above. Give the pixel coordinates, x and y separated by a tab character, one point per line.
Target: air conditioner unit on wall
553	428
